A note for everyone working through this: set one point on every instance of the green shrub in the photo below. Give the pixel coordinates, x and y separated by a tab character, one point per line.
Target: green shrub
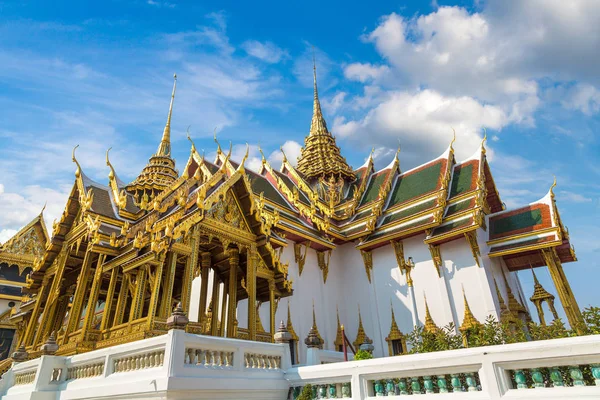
306	393
363	355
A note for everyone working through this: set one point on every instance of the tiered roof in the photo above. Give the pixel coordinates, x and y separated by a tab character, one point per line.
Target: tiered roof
322	202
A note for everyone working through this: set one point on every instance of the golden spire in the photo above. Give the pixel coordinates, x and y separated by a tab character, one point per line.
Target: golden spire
289	325
164	148
513	304
78	170
314	325
339	340
430	325
539	293
361	336
395	333
320	156
318	126
469	320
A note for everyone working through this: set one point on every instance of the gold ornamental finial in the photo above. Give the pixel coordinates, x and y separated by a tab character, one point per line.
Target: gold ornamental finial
112	174
43	208
264	159
78	170
552	187
164	148
453	138
216	141
318	125
284	156
190	139
241	167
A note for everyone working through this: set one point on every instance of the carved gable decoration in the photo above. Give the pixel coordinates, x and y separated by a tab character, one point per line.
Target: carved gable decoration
28	244
228	211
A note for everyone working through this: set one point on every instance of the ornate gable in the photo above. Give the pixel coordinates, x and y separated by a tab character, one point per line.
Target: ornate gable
27	245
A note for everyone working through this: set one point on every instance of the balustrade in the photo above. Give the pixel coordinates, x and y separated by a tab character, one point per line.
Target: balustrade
85	371
208	358
556	376
25	378
262	361
139	361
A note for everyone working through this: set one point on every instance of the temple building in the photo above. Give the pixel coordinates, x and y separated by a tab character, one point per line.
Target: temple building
240	250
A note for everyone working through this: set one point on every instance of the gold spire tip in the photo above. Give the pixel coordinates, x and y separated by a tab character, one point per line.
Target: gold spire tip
553	186
453	137
78	171
484	136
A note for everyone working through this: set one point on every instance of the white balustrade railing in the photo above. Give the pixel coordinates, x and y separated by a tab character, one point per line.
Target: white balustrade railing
561	368
175	361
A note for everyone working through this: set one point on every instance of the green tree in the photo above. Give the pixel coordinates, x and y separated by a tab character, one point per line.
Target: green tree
363	355
306	393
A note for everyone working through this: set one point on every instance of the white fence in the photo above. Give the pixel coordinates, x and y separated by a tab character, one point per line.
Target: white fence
177	363
180	365
560	368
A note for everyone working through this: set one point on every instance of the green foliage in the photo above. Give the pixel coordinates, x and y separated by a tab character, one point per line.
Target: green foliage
422	341
591	316
555	330
363	355
306	393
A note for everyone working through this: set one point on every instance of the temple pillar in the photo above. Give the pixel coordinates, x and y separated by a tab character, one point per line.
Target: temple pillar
564	289
153	305
32	326
234	261
79	296
206	258
272	308
137	303
251	289
121	301
108	305
167	294
540	311
50	307
214	323
93	298
224	316
188	274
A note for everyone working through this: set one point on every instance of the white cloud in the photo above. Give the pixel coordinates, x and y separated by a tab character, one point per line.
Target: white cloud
332	105
573	197
365	72
6	234
422	121
292	152
161	3
582	97
267	51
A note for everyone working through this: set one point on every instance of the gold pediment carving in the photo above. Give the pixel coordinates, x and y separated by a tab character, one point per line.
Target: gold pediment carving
227	210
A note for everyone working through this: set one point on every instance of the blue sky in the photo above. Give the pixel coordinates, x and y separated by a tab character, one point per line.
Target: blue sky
100	75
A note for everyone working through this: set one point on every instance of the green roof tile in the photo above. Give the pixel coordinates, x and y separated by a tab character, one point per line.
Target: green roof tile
522	220
409	211
460	206
374	187
416	184
463	223
461	180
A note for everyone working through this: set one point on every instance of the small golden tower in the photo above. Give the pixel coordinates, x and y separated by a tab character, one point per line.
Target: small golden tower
430	325
469	321
361	336
394	336
540	295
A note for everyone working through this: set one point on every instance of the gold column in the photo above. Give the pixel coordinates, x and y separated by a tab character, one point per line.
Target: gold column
79	296
137	304
224	315
93	297
251	288
51	302
206	257
214	323
563	288
109	298
273	307
166	301
33	321
190	267
121	301
155	290
234	261
59	315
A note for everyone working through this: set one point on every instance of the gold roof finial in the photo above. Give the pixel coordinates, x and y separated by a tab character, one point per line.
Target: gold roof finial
552	187
190	139
289	325
43	208
284	156
241	167
219	151
164	148
453	138
78	170
484	140
318	125
539	293
264	159
112	174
